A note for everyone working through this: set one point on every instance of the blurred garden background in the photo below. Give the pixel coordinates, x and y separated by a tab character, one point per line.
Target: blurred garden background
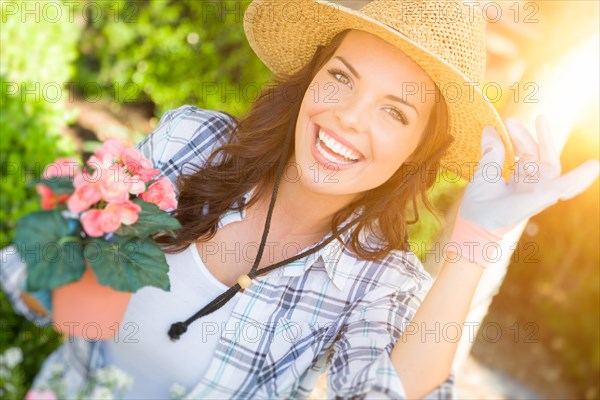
76	72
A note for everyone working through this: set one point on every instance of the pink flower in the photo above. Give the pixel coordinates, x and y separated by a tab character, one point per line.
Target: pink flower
161	193
128	211
61	167
40	395
98	163
146	171
91	223
115	185
49	198
112	148
98	222
109	220
137	185
137	165
86	177
85	195
129	156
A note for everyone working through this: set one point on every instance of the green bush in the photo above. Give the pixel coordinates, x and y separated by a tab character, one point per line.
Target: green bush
424	234
37	58
35	342
30	140
33	107
171	53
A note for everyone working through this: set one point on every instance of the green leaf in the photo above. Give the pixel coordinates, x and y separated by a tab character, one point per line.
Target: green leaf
128	264
53	257
151	220
59	185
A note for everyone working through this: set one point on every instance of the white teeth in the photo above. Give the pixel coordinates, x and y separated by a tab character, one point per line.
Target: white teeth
348	154
329	157
337	147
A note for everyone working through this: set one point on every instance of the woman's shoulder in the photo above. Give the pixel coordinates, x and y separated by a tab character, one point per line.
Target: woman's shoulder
187	134
197	116
187	124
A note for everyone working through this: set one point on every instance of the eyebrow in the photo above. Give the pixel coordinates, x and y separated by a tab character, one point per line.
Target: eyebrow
389	96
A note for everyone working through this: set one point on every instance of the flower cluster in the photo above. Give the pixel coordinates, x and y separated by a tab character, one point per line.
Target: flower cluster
59	168
112	204
106	383
10	382
105	186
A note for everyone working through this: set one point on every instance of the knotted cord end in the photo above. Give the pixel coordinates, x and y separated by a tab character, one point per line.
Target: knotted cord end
176	330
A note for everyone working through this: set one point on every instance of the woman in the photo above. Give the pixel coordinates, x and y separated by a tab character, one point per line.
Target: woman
281	299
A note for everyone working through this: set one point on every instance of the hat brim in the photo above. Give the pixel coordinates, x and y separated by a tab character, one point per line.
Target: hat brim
286	39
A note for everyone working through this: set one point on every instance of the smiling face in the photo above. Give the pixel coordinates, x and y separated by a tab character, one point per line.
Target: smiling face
357	125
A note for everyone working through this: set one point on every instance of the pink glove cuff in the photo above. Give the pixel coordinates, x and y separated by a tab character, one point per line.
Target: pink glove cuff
472	242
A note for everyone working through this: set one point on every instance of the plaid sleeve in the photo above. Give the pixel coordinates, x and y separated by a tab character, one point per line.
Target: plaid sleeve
184	137
361	367
12	280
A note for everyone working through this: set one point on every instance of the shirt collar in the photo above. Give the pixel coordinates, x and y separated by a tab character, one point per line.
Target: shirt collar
337	261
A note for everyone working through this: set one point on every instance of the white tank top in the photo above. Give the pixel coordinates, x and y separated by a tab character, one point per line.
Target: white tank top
143	349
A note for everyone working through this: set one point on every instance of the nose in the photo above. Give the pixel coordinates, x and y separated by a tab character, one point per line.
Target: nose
353	116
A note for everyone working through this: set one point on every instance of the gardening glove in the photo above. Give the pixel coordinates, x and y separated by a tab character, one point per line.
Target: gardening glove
492	207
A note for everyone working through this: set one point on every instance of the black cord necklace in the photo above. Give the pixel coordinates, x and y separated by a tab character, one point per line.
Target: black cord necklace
179	328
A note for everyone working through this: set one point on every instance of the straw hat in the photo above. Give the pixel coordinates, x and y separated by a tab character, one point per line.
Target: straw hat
446	38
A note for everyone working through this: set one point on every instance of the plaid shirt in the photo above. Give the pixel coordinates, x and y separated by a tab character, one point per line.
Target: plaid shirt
329	312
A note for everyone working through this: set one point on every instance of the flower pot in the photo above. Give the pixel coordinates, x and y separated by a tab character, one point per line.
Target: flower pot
87	309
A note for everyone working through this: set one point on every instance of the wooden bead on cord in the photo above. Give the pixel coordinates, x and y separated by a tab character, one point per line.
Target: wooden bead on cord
244	281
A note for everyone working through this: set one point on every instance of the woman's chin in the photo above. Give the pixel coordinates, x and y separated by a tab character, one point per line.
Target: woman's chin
323	182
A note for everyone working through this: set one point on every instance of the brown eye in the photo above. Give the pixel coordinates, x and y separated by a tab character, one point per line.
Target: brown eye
340	76
398	115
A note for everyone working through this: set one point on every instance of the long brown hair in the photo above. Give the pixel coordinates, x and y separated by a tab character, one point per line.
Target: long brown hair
254	149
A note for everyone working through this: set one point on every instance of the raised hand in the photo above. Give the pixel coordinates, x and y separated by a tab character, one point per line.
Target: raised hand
492	206
536	183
